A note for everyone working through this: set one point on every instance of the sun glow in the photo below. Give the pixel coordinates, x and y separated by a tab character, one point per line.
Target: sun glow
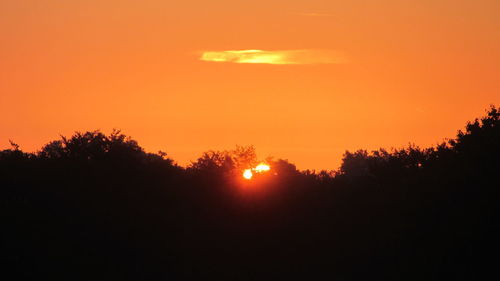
261	168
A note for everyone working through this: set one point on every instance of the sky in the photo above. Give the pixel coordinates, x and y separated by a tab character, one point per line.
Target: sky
303	80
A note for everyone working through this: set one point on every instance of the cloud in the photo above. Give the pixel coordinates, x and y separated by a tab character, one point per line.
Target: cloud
315	14
275	57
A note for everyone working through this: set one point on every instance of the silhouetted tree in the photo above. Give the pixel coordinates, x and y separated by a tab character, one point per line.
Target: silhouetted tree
98	207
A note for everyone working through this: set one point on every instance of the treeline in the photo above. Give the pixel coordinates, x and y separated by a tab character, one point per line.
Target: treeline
98	207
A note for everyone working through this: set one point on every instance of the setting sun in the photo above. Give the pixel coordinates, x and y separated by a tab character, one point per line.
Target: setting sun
247	174
261	168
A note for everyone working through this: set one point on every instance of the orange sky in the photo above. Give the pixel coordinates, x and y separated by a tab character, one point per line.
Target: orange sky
414	71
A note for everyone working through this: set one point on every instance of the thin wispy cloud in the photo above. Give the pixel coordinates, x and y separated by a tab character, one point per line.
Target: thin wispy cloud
314	14
275	57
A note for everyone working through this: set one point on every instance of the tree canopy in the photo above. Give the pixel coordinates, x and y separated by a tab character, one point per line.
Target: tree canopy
97	206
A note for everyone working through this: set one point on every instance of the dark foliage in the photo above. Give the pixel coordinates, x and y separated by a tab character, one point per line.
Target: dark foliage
98	207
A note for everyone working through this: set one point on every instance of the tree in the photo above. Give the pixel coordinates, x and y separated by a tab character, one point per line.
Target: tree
226	161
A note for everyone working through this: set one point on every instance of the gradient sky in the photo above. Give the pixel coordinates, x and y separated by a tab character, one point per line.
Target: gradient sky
414	72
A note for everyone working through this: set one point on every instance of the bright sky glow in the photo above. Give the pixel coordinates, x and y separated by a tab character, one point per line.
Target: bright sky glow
275	57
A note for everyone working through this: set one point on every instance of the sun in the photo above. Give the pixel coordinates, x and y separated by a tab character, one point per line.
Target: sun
261	168
247	174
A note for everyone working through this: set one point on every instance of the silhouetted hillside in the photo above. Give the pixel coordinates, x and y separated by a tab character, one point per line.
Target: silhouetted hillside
98	207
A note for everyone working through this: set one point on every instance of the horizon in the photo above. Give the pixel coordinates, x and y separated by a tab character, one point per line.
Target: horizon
258	155
263	163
